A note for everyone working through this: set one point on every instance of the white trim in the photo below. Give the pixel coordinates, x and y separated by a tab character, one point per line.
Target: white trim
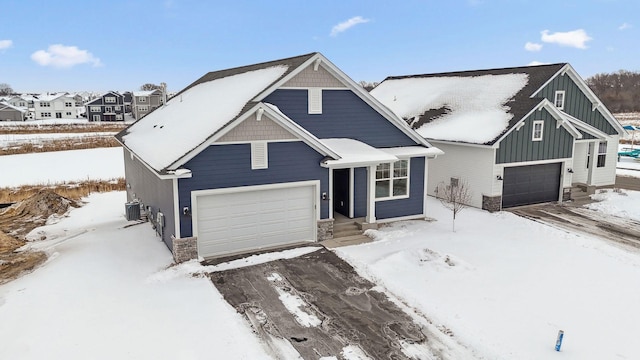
330	194
351	191
314	100
435	141
306	87
259	155
426	186
537	162
402	218
186	174
197	193
555	99
581	125
176	209
371	195
533	130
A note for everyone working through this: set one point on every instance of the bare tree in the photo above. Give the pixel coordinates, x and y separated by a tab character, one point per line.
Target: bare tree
5	89
149	86
455	196
368	85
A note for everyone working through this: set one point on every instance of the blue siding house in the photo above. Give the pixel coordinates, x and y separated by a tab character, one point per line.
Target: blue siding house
107	107
516	136
272	154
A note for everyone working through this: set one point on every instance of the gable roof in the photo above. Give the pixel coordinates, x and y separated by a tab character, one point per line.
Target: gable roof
6	105
171	134
477	106
99	98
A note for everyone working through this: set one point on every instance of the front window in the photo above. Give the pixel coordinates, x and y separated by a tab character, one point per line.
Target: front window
95	109
538	127
602	154
45	104
142	99
108	109
109	99
68	104
392	179
559	100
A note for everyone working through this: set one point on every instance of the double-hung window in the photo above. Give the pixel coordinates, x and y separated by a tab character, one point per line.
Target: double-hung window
538	128
602	154
559	99
392	180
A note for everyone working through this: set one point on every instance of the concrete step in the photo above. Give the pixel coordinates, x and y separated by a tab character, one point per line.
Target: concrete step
346	232
346	241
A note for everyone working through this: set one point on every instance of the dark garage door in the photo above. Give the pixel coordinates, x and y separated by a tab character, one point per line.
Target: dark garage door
524	185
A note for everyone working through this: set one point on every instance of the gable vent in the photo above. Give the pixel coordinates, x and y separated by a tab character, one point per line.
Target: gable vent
315	101
259	155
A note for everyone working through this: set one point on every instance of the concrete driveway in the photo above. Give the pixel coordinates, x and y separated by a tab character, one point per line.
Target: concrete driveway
316	306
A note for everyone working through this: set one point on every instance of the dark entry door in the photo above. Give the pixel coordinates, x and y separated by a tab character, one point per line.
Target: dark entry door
341	191
58	115
524	185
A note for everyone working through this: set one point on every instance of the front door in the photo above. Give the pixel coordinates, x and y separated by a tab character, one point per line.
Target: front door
341	193
58	115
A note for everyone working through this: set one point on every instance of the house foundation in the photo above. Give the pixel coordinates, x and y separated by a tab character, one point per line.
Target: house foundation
325	229
491	203
184	249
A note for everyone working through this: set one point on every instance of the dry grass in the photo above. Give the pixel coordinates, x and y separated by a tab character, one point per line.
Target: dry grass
70	190
76	143
62	128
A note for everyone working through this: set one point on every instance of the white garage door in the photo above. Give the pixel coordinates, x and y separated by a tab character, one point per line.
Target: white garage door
233	222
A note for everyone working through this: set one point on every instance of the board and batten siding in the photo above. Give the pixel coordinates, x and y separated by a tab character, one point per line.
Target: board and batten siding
411	206
227	166
517	146
344	115
473	164
576	103
146	187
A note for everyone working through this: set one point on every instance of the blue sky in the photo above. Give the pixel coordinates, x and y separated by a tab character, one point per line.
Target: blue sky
120	45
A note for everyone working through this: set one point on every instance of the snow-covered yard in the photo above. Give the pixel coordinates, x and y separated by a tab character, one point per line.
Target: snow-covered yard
505	285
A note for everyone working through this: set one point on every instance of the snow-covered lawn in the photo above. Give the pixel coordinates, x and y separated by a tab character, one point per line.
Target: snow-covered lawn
505	285
7	140
99	296
624	203
60	166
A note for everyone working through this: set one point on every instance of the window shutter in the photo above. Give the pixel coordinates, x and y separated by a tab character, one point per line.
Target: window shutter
259	156
315	101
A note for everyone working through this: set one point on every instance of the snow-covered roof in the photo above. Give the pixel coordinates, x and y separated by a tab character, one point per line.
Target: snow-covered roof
472	106
187	120
353	152
146	92
4	105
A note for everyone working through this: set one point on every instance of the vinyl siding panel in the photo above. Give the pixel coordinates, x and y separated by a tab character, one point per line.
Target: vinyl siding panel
225	166
556	142
344	115
413	205
469	163
605	176
150	191
576	103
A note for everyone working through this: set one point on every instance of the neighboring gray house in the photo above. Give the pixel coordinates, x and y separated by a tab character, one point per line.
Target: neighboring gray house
9	112
271	154
107	107
518	136
143	102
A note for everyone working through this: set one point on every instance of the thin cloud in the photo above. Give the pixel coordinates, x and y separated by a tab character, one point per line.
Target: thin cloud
536	63
346	25
529	46
5	44
576	38
61	56
625	26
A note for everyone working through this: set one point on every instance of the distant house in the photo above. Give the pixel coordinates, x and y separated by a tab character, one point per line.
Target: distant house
272	154
9	112
143	102
128	98
19	101
518	136
107	107
54	107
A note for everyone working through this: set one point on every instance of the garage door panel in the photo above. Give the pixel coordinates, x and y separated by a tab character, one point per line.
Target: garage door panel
531	184
244	220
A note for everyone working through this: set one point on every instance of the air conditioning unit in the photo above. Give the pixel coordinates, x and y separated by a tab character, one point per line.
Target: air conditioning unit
132	211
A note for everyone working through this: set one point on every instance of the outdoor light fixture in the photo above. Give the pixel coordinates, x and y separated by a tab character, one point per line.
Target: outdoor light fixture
499	177
570	170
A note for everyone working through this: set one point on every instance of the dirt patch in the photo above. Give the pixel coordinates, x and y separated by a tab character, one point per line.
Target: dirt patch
71	190
318	306
17	221
61	128
78	143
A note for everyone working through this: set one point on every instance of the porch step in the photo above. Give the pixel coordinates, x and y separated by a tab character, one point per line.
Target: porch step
579	196
345	241
346	229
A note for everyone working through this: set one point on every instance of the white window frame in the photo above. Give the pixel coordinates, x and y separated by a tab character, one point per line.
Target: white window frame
110	99
533	130
95	109
68	113
391	178
143	108
116	108
108	109
314	100
45	104
259	155
562	99
96	117
142	99
68	104
118	116
602	154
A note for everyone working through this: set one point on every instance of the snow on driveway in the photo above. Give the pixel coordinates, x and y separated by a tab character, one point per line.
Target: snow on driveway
61	166
505	285
97	298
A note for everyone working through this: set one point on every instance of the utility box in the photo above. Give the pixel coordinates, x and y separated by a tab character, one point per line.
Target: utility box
132	211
